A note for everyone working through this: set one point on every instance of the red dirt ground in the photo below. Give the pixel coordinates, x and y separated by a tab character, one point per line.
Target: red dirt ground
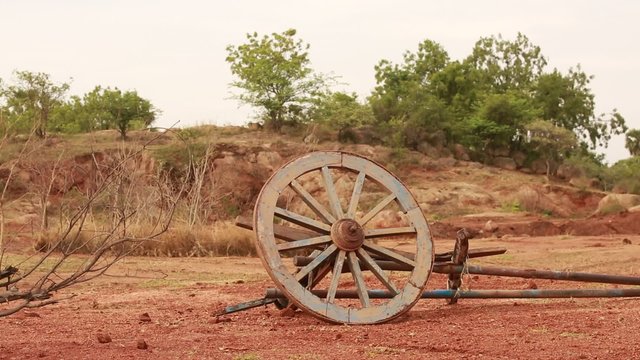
182	326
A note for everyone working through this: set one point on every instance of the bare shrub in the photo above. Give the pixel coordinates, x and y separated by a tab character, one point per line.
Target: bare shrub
129	198
528	199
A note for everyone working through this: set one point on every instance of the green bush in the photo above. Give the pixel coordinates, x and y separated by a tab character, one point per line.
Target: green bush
625	175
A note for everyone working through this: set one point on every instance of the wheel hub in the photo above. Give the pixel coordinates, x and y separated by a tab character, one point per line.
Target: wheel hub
347	234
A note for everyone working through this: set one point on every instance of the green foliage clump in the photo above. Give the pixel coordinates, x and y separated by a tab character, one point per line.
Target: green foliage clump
29	103
550	141
275	76
486	100
342	112
625	175
34	103
104	109
632	142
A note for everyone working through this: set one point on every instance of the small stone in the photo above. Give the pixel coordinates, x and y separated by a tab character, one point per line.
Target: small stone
144	318
239	282
532	285
626	241
103	338
142	345
338	336
218	319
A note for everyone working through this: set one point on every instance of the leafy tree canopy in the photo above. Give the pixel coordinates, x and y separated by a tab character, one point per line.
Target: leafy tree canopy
114	109
30	101
103	109
275	76
552	142
341	111
487	99
632	142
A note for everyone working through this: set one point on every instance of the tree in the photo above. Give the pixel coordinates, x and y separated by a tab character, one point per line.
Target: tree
552	142
623	175
460	86
507	65
400	88
632	142
485	100
32	99
71	117
342	112
567	101
499	122
275	74
104	108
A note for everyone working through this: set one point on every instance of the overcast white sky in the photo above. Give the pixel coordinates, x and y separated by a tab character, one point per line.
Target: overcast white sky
173	52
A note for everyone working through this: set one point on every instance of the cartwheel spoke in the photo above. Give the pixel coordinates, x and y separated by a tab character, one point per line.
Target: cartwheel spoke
302	220
376	270
320	240
331	192
358	277
355	196
321	258
377	209
376	233
388	253
335	277
317	275
313	204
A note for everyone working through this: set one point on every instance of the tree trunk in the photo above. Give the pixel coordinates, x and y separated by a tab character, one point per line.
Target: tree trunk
548	170
275	121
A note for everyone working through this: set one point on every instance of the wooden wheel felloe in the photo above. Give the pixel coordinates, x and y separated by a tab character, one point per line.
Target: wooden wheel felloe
341	240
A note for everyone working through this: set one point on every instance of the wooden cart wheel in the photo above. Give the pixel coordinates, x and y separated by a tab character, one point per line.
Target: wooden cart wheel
341	238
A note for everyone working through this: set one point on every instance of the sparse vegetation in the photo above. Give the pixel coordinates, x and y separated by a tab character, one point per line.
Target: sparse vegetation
98	222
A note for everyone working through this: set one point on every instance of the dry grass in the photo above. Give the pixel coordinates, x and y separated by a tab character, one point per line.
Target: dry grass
528	199
222	239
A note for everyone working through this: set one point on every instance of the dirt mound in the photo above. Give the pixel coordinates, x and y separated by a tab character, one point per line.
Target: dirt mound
623	223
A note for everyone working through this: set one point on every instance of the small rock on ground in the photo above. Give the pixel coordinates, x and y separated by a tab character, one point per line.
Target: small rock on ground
103	338
142	345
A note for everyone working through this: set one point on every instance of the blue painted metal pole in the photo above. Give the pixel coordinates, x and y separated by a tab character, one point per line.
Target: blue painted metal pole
482	294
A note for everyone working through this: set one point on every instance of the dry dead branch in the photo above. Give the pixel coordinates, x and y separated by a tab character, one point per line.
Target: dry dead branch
141	207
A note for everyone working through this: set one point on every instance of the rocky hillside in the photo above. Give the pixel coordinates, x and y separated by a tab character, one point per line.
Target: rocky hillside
226	167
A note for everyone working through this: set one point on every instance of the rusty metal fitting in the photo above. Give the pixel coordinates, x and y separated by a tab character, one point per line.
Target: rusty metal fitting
347	234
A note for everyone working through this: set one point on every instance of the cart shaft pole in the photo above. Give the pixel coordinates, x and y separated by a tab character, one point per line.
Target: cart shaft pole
538	274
